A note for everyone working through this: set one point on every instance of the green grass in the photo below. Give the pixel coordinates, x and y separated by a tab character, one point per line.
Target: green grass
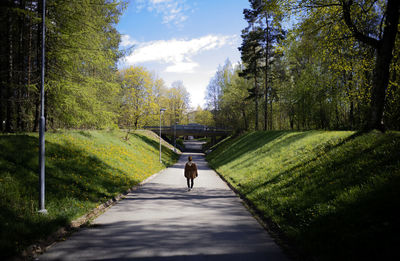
334	195
83	169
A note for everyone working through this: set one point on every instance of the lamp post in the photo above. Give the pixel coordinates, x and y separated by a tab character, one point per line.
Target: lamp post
175	136
42	208
161	111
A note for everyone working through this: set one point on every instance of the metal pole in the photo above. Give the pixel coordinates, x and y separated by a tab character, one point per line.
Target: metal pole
42	208
160	137
175	137
161	111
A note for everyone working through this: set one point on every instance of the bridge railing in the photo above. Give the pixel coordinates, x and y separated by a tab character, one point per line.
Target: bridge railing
189	130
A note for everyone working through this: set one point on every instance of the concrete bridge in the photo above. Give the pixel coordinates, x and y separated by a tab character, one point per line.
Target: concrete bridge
190	130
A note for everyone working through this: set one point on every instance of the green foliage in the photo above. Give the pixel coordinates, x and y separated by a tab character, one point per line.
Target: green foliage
142	95
333	194
176	103
392	105
259	51
82	52
323	75
203	117
343	67
216	88
137	98
82	49
235	107
359	39
83	170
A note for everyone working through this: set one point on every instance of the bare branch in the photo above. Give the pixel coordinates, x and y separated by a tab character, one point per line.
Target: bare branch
369	8
356	33
381	26
319	5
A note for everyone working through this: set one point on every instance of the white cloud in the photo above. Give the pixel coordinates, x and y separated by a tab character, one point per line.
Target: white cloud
159	1
172	11
126	41
176	53
182	67
194	61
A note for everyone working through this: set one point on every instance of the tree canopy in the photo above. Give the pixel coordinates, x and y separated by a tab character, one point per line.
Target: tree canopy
305	64
335	68
83	86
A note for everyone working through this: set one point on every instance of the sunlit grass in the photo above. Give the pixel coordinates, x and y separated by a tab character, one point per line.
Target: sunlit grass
334	194
83	169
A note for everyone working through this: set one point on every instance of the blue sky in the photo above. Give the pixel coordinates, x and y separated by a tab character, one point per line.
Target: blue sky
183	40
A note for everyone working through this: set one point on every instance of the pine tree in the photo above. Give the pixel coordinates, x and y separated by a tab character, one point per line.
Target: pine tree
252	54
263	32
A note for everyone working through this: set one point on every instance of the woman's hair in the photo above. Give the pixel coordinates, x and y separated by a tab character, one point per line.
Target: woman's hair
190	158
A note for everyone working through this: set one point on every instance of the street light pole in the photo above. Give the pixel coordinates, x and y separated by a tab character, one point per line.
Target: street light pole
42	208
161	111
175	136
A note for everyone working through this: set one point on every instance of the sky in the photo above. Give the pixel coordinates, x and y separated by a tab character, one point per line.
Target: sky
183	40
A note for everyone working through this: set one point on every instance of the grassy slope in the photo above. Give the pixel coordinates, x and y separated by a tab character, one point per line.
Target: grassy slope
334	194
83	169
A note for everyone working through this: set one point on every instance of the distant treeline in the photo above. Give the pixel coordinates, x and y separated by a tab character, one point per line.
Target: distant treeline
336	68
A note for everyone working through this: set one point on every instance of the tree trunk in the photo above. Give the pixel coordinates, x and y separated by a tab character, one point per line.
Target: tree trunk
37	114
384	48
3	84
291	122
2	99
266	107
246	125
271	125
29	68
266	75
378	92
256	92
21	70
382	65
38	66
349	80
351	114
9	92
256	101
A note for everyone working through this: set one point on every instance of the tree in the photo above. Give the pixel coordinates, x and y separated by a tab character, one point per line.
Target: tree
392	106
215	91
203	117
251	54
81	55
234	103
178	99
266	16
374	23
19	63
136	98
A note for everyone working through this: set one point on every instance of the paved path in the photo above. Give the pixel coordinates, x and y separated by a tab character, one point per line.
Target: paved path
162	221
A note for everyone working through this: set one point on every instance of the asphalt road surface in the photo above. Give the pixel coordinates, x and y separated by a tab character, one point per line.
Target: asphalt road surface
163	221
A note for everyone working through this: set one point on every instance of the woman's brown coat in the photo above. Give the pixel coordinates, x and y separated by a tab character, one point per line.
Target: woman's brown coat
190	170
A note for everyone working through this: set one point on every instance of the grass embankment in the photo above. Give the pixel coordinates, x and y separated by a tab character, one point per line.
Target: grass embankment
83	170
335	195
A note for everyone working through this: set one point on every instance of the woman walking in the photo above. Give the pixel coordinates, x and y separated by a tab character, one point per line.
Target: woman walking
190	172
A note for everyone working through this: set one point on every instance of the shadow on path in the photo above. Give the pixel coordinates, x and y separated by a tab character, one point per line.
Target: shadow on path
162	221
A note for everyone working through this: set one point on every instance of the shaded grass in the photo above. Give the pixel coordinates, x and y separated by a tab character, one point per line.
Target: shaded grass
83	169
335	195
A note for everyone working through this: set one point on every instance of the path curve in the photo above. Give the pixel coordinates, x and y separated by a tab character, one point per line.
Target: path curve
162	221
